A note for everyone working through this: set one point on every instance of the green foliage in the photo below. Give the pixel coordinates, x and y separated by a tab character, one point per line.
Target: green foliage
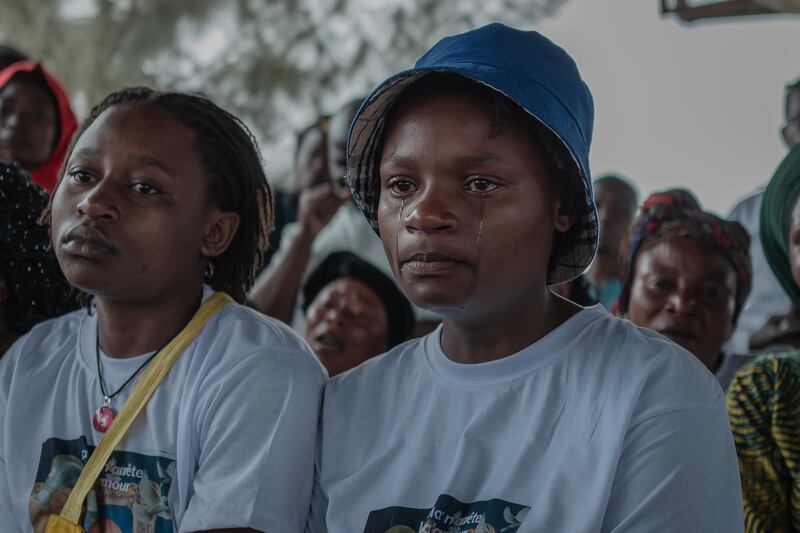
276	63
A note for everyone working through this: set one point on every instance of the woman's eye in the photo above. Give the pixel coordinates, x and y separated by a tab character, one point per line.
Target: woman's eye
712	292
480	185
401	186
661	284
79	176
144	188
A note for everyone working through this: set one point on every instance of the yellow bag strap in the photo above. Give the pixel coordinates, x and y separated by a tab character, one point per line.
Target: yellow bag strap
144	388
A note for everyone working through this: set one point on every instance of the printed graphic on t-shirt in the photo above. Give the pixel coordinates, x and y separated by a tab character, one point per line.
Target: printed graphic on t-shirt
130	496
449	516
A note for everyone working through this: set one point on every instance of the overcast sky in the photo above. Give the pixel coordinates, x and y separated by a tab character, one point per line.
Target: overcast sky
694	105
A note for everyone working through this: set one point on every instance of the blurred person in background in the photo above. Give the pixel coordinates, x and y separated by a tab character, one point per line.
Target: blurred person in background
310	170
764	397
337	146
767	298
616	199
36	121
686	275
353	312
328	221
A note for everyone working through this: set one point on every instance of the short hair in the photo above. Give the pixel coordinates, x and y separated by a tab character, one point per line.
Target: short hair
10	55
559	163
400	317
230	156
37	290
620	180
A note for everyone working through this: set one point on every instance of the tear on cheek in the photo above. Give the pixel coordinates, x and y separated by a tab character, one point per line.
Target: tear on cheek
397	229
469	291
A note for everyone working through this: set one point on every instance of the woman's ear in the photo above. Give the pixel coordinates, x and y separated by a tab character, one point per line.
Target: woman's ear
221	228
563	221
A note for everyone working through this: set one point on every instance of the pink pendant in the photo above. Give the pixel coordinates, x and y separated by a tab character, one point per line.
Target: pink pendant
103	418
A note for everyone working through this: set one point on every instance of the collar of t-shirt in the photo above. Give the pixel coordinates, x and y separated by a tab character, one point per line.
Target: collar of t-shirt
516	365
115	370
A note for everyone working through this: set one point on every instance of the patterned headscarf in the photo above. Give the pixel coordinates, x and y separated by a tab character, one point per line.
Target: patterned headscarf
780	198
37	290
677	213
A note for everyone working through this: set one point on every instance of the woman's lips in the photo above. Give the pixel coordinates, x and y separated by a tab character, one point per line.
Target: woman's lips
84	248
328	341
428	263
680	336
88	242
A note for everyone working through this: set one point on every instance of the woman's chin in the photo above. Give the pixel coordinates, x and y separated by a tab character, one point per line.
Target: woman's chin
440	303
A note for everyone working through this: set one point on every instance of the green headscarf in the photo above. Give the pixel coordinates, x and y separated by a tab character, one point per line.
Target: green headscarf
780	199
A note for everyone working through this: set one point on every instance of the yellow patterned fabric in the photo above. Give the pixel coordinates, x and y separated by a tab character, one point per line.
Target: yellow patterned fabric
764	408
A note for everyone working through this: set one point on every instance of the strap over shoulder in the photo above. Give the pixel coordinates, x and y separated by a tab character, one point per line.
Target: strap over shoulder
144	389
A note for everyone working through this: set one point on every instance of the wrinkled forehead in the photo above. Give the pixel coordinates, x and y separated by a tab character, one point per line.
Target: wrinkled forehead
687	256
350	288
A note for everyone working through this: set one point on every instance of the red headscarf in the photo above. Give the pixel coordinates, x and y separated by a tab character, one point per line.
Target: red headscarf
46	175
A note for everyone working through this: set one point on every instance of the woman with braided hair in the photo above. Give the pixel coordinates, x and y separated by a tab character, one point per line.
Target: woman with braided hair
161	206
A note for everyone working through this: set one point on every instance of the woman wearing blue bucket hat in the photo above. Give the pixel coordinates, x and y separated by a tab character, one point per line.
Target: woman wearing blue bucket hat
523	411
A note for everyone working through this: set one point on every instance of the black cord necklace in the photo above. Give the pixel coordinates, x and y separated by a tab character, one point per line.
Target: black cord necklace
104	416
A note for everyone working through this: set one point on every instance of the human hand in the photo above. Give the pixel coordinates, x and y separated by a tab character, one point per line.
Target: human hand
317	205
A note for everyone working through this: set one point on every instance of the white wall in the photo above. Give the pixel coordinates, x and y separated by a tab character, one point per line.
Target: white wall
698	106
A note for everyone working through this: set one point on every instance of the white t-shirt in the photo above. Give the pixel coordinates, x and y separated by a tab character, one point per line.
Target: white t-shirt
348	231
767	297
598	426
227	440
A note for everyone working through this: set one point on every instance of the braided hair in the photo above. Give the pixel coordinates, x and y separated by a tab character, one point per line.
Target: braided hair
37	290
236	181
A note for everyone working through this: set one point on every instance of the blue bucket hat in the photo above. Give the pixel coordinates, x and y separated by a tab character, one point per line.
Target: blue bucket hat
524	66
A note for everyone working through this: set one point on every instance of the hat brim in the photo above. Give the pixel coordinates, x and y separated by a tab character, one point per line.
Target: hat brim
365	142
